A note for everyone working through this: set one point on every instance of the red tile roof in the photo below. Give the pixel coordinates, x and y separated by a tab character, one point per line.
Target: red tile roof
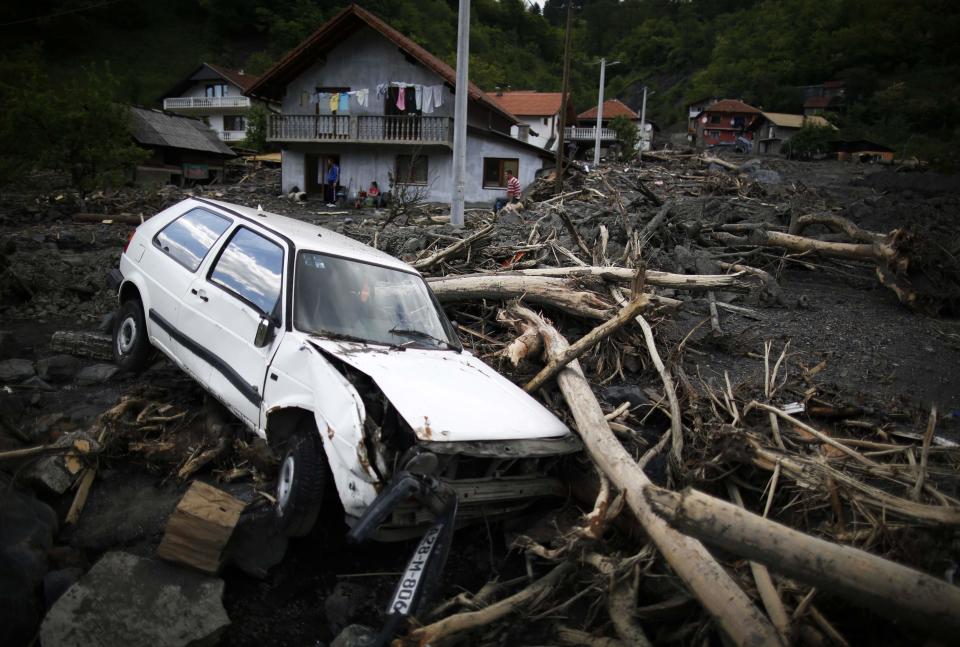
731	105
611	108
237	77
818	102
528	103
346	22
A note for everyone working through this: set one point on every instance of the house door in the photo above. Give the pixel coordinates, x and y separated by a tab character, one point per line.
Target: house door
329	176
313	178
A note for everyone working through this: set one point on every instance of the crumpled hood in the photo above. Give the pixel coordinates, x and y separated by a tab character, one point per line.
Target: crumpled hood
449	396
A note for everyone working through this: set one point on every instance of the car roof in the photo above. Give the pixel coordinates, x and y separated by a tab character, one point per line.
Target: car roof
310	237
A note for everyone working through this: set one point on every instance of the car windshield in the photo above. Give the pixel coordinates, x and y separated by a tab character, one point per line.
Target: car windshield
345	298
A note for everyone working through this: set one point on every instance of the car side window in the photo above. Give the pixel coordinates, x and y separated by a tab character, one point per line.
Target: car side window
251	267
188	238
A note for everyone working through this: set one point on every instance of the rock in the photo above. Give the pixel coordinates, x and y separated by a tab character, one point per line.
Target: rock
128	600
347	602
58	368
124	509
632	393
8	345
355	636
55	583
49	473
765	176
686	261
96	374
37	384
414	244
258	543
26	534
509	218
14	371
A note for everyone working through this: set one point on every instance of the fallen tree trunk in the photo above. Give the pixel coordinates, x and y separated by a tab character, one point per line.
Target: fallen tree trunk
83	344
455	248
558	293
838	223
741	281
876	583
108	219
736	616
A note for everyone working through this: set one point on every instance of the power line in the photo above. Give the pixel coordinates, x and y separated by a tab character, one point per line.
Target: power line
60	13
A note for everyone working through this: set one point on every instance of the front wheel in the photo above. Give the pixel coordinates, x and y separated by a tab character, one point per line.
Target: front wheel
300	483
131	348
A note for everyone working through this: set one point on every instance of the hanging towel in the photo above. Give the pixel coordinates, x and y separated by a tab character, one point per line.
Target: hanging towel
334	101
438	95
401	98
382	89
427	99
418	96
344	106
361	96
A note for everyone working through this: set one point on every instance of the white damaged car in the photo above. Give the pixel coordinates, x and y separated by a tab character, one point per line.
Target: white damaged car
340	357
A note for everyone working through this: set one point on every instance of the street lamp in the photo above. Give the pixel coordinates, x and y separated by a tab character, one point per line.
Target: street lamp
596	147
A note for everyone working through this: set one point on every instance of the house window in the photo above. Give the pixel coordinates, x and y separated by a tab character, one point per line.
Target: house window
234	122
217	90
411	169
495	171
714	119
544	121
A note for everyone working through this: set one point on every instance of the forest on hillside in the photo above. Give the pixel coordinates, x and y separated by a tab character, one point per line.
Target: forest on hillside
898	59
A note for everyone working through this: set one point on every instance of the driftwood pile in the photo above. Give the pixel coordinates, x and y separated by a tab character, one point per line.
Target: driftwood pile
767	513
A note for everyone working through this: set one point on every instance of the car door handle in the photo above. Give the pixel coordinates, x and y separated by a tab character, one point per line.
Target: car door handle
203	295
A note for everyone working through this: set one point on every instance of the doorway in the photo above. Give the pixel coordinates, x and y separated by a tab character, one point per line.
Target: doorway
317	171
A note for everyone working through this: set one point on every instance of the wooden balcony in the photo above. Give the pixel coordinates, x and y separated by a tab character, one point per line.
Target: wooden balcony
181	104
363	129
576	133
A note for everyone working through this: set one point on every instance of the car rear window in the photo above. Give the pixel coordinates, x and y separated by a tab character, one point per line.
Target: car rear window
188	238
251	267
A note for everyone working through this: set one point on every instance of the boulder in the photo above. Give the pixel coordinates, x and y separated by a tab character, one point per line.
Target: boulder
128	600
258	543
96	374
355	636
347	602
14	371
50	474
8	345
58	368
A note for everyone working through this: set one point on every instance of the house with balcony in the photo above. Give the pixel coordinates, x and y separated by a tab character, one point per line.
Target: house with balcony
829	96
360	95
583	134
538	113
214	94
724	121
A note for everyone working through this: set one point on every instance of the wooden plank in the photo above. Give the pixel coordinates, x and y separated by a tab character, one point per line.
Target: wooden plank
200	527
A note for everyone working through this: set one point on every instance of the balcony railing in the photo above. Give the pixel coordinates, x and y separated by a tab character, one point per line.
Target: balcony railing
232	135
576	133
378	129
205	103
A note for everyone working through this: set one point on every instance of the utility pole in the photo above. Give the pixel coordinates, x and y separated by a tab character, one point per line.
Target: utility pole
460	114
596	146
564	98
643	122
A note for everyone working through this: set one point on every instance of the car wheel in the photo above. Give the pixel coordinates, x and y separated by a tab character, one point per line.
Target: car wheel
300	483
131	348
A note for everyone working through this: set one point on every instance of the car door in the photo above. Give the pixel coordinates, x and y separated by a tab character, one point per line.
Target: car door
223	309
169	265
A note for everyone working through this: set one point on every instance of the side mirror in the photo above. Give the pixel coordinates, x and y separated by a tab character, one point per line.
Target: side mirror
264	332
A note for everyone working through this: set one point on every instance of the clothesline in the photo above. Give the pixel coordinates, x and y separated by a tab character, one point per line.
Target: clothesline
426	98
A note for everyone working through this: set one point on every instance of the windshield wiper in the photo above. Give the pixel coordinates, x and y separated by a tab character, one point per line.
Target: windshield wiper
421	334
341	336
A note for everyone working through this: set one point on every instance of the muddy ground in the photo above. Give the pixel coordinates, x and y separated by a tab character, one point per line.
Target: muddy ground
877	353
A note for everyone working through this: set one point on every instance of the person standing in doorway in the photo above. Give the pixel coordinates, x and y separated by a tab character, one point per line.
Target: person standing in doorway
513	192
333	178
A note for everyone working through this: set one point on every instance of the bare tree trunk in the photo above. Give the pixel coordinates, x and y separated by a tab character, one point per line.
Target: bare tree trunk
736	615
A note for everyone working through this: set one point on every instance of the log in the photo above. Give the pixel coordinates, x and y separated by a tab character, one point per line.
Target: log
858	251
108	219
200	527
741	281
83	344
453	249
558	293
885	587
735	614
587	342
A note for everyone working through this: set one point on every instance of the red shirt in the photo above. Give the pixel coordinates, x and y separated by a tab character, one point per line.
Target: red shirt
513	187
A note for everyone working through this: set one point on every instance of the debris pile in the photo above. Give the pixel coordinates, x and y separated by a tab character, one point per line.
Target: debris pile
762	458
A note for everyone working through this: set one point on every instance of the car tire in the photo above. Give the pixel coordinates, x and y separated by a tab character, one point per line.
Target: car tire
300	483
131	347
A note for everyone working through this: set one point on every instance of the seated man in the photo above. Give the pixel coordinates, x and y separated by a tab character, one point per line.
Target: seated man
513	192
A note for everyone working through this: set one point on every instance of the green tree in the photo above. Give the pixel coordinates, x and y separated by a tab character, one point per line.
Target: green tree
257	121
627	135
809	141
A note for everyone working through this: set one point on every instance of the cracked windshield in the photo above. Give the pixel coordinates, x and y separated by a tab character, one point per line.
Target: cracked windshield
343	298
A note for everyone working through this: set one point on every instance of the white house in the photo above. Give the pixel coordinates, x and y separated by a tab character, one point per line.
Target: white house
539	115
360	94
216	95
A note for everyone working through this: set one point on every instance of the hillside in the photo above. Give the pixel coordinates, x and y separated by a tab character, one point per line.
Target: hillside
898	61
